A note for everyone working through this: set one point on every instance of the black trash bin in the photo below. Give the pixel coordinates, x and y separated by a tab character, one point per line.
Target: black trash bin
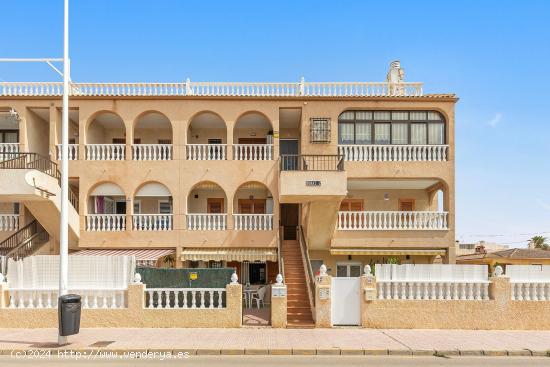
68	310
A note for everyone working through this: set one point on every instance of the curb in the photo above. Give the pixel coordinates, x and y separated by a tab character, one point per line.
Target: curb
297	351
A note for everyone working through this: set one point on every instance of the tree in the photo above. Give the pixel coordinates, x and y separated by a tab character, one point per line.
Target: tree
539	242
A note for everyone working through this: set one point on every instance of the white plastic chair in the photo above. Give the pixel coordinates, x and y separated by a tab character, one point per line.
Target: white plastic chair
259	297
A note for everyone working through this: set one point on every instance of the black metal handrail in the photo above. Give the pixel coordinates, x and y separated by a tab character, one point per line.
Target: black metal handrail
30	245
38	162
297	162
310	279
18	237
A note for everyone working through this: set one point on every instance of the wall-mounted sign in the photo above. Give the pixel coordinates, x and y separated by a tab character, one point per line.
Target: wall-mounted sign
313	183
193	275
324	292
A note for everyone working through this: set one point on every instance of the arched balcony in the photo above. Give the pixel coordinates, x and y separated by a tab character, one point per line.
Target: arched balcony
106	138
207	138
152	138
395	205
253	138
253	207
106	208
9	133
152	208
207	207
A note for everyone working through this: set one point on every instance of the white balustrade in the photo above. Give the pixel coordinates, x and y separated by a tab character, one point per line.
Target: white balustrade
206	222
252	152
105	152
530	291
9	222
6	149
152	222
183	298
47	298
152	152
73	152
253	222
105	222
229	89
392	221
206	152
394	153
433	290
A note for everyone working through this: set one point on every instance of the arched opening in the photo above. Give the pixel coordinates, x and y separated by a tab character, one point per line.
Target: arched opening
9	133
106	208
152	208
106	137
253	207
253	137
207	137
152	137
207	207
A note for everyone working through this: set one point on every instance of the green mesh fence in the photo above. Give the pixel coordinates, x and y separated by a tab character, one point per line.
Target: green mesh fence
182	278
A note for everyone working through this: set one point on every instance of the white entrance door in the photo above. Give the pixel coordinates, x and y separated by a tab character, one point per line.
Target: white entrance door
346	301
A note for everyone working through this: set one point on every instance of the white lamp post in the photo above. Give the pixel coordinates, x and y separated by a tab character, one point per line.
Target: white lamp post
64	222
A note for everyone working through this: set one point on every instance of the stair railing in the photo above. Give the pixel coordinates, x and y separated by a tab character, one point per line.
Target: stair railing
18	237
38	162
280	259
23	243
310	279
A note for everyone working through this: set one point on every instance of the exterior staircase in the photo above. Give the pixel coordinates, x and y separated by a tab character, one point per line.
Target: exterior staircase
22	243
298	306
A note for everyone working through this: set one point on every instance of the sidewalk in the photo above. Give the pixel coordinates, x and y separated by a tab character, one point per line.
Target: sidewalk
287	341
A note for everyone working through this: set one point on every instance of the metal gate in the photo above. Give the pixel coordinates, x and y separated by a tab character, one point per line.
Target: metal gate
346	301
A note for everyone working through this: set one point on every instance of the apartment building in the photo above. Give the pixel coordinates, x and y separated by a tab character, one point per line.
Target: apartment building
247	175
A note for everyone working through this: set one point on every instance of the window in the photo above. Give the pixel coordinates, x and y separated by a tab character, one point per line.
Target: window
165	207
165	141
319	130
406	205
351	205
391	127
9	136
216	264
137	206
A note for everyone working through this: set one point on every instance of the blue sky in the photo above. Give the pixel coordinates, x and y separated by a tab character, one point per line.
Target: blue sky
493	54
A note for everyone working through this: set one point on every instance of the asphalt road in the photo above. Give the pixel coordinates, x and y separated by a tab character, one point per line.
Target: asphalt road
284	361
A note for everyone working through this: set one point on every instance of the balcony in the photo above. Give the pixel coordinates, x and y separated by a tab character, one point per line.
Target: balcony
152	137
392	221
206	222
9	222
152	222
306	178
152	152
6	148
253	222
206	152
105	222
73	151
252	152
105	152
394	153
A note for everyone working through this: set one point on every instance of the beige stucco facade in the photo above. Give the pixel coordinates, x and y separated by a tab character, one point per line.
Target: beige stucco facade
39	131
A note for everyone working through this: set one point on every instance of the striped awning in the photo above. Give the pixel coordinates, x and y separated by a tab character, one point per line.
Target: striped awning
229	254
387	252
142	255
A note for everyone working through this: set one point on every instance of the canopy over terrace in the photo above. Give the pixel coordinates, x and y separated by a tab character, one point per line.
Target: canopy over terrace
229	254
144	257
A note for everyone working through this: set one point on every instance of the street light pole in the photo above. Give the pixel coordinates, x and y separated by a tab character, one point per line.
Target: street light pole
64	223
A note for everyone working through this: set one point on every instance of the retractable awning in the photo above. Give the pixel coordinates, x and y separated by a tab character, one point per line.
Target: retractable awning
387	252
147	257
229	254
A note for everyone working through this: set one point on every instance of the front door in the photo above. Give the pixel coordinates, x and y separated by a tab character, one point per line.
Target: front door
215	205
290	219
289	148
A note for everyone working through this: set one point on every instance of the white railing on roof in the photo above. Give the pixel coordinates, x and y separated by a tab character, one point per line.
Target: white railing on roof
529	282
206	222
253	222
394	153
152	222
105	222
252	152
152	152
73	152
216	89
47	298
206	152
201	298
105	152
9	222
392	221
432	282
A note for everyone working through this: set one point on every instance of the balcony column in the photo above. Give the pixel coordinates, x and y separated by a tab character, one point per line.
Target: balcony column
53	126
82	138
276	135
129	138
129	212
179	139
229	211
230	126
